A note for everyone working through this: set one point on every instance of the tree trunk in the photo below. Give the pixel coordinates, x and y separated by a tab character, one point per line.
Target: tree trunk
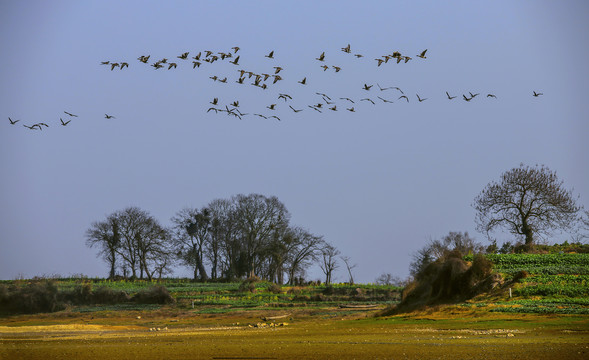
528	233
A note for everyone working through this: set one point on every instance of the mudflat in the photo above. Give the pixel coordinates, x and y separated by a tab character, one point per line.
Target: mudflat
434	335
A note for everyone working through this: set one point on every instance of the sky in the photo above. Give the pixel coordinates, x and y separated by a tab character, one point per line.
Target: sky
378	182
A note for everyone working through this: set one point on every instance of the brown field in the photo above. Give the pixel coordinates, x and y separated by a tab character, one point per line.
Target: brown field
446	333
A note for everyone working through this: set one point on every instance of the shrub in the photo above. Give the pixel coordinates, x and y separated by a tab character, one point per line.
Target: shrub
33	298
274	288
154	295
106	295
249	284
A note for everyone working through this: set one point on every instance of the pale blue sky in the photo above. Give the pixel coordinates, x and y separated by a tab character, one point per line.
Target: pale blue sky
377	183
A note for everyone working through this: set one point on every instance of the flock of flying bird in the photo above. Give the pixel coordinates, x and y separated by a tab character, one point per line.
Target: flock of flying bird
40	125
265	80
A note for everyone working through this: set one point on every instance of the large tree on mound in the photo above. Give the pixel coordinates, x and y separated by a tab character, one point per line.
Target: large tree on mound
528	202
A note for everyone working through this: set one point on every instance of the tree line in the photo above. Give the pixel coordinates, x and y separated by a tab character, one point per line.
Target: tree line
228	239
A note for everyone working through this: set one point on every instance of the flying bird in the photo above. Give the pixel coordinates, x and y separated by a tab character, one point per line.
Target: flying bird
123	64
367	99
304	81
385	100
276	117
465	98
70	114
284	96
351	109
450	97
234	62
350	100
422	55
492	96
367	87
235	48
277	69
346	49
270	55
295	110
321	57
195	64
64	123
215	101
323	95
271	107
32	127
472	96
172	65
403	97
113	66
107	116
325	67
337	68
420	99
12	122
537	94
184	56
383	89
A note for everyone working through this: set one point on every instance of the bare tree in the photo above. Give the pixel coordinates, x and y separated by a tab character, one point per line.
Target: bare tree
258	218
135	237
302	250
328	262
390	279
349	267
191	233
105	235
528	202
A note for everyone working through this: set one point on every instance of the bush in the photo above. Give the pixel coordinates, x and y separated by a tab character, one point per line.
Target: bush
106	295
274	288
33	298
249	284
154	295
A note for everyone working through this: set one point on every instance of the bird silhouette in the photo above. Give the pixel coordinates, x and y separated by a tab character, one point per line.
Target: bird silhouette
295	110
235	49
337	68
235	103
350	100
172	65
380	61
321	57
284	96
113	66
450	97
367	87
32	127
184	56
422	55
420	99
304	81
107	116
358	55
385	100
12	122
70	114
275	117
472	96
234	62
215	101
323	95
325	67
537	94
64	123
465	98
123	64
334	108
271	106
277	69
403	97
346	49
492	96
367	99
195	64
270	55
351	109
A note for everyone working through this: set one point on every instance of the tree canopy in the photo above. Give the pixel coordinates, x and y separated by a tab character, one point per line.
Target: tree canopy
528	202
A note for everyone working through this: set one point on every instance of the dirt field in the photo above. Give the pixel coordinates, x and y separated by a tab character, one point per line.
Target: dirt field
301	335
